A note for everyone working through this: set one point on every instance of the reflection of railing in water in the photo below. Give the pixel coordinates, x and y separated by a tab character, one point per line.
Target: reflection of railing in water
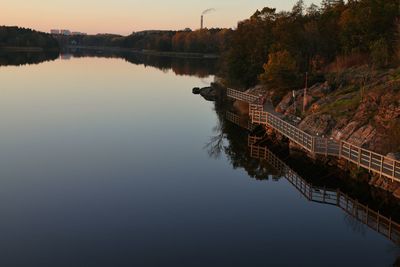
235	119
374	220
369	160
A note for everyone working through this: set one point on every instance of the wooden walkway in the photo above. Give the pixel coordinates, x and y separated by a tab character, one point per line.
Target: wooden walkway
364	158
362	213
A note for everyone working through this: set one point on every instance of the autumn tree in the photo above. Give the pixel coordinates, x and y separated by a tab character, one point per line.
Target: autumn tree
280	71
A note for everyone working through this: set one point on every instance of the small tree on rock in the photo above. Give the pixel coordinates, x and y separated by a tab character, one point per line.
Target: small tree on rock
280	71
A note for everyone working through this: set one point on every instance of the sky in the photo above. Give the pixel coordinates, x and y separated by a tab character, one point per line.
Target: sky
126	16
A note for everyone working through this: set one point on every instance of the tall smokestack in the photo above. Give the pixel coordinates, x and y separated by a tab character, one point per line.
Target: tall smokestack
205	12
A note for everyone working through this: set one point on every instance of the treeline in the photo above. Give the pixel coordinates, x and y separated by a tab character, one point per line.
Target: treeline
277	48
22	37
200	41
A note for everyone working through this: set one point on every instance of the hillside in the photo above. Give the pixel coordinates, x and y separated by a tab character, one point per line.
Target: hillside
15	37
360	105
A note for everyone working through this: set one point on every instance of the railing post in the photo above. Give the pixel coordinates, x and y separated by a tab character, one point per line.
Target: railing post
313	144
394	169
370	160
326	147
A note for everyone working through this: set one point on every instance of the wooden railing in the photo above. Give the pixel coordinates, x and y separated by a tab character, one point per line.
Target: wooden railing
292	132
242	96
369	160
373	219
326	146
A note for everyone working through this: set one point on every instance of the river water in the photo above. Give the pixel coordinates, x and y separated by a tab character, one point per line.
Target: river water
108	161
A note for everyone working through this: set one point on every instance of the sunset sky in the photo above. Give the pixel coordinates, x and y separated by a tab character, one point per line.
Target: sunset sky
125	16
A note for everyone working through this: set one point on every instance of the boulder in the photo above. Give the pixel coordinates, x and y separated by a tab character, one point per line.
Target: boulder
208	93
318	124
285	103
363	136
196	90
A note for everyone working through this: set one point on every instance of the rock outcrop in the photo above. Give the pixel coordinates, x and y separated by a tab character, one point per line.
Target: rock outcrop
208	93
196	90
358	105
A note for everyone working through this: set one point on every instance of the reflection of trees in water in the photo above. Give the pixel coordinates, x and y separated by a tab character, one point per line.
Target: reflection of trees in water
215	146
232	140
180	66
8	58
236	149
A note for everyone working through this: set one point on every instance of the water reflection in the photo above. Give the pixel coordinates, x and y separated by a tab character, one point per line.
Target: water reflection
329	196
180	66
93	176
197	67
8	58
362	205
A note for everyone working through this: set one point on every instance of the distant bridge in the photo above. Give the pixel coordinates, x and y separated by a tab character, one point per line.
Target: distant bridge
374	162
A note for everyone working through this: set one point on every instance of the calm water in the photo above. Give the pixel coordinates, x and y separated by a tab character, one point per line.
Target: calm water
105	163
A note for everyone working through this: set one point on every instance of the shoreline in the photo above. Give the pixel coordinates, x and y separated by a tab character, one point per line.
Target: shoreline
147	52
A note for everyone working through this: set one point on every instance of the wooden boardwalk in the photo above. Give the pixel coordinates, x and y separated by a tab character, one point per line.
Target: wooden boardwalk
362	213
364	158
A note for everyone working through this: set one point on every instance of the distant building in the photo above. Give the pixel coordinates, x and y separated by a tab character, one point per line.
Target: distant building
65	32
55	32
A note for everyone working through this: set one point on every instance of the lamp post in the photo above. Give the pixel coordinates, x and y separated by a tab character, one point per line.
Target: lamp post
305	94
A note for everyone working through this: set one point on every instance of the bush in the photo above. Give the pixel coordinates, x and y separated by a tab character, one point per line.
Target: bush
379	53
281	71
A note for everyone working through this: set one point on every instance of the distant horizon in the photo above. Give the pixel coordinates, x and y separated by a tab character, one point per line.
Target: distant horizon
122	17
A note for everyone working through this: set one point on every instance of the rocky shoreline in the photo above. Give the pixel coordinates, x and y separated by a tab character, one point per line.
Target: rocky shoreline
359	105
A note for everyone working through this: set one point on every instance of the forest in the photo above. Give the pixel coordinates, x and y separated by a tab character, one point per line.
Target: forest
199	41
278	48
14	37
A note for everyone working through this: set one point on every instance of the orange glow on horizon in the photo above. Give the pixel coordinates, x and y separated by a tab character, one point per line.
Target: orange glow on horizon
125	16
